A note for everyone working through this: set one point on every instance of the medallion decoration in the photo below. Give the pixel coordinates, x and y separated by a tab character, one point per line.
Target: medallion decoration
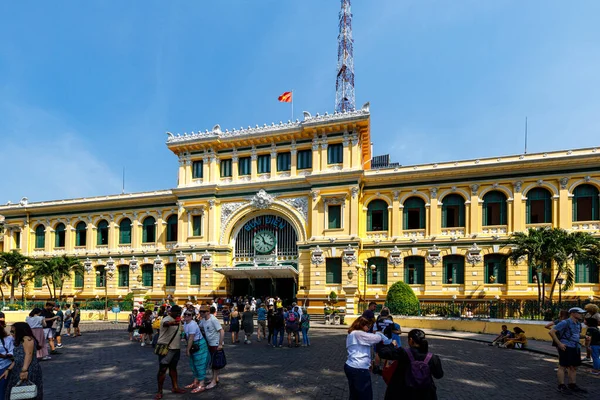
158	264
133	264
262	200
87	265
227	210
181	260
349	256
206	260
395	258
434	255
316	256
564	182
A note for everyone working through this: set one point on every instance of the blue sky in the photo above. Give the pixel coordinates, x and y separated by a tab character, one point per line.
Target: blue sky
87	88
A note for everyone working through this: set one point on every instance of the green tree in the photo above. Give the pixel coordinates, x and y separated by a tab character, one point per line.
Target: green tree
14	270
56	271
402	300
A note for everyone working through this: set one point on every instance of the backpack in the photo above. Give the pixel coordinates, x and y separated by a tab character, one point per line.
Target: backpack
156	323
291	317
418	376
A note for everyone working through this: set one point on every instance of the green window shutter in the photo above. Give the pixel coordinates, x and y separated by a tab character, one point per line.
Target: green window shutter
333	267
547	210
244	166
195	273
385	218
335	154
147	275
225	168
461	215
528	212
171	275
484	217
125	231
149	230
574	208
101	277
37	282
503	213
78	280
444	219
421	272
40	237
501	272
102	234
404	218
196	225
594	278
382	271
80	234
284	161
422	217
123	275
304	159
369	220
172	228
264	164
406	272
595	213
334	215
197	169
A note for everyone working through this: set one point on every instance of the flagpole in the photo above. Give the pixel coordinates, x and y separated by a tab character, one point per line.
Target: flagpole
292	105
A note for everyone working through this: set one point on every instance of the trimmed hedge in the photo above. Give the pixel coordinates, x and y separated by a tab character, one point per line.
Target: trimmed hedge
402	300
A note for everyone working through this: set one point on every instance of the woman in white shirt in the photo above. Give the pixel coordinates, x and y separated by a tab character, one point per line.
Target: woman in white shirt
197	351
358	344
37	323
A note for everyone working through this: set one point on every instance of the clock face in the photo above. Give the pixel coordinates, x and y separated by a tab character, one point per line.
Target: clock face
264	242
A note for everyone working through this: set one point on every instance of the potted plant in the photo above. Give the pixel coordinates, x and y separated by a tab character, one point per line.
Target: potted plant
492	279
327	313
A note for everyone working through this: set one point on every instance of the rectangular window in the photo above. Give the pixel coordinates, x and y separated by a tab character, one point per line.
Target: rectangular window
333	268
586	272
334	216
304	159
284	161
123	276
244	166
335	154
18	239
147	275
101	278
225	168
78	280
264	164
37	282
195	273
196	225
171	275
415	274
197	169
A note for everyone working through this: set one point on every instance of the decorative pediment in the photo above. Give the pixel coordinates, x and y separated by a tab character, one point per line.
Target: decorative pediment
433	255
87	265
349	255
206	259
474	255
133	264
110	265
316	256
395	257
181	260
333	200
158	264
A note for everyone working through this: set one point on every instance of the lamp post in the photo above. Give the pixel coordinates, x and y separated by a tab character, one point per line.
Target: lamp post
107	275
365	269
560	281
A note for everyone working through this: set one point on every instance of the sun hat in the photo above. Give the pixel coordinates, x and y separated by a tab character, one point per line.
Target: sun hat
577	310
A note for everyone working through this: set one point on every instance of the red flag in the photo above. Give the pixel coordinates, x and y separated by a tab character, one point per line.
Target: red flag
286	97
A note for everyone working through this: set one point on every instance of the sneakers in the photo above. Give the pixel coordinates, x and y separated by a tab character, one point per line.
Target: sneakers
46	358
576	389
586	359
59	345
143	344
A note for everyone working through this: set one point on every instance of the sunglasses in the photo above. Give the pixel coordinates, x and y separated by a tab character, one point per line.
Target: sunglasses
187	315
12	332
202	311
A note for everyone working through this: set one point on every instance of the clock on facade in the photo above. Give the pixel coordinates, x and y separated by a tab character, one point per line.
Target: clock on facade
264	241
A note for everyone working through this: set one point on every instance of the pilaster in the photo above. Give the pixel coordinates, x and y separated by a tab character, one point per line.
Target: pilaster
316	158
347	153
294	161
565	202
324	152
396	220
434	215
518	212
355	151
273	161
214	168
253	164
206	169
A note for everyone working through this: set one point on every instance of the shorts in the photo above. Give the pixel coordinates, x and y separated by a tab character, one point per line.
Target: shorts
291	328
59	330
49	333
571	357
68	324
170	360
76	323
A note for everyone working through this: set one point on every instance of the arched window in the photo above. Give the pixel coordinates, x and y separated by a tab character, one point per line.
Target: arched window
494	208
149	230
414	270
80	234
100	276
377	276
586	271
171	275
585	203
454	270
40	236
102	238
172	228
495	268
377	216
123	275
59	235
539	206
414	213
453	211
125	231
147	275
78	280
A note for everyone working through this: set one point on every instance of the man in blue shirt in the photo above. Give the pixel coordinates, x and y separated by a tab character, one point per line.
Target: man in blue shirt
262	321
566	335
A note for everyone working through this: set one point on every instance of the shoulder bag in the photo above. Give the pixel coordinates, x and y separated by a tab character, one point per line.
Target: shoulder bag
24	390
163	349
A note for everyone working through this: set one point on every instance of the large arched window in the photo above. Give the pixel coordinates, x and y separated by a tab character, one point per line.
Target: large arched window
40	236
585	203
102	238
149	230
147	275
414	213
125	231
80	234
454	270
453	211
539	206
59	235
494	208
123	275
378	275
377	216
172	228
495	268
100	276
414	270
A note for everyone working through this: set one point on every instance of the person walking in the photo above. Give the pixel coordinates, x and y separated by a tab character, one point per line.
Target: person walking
68	320
49	329
59	325
569	349
197	351
7	345
170	335
359	343
278	327
270	316
291	326
226	315
305	326
146	330
214	334
261	320
25	365
76	315
592	341
404	382
37	323
132	326
591	311
248	324
235	326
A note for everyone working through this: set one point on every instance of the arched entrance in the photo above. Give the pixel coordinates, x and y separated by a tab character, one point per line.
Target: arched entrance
265	257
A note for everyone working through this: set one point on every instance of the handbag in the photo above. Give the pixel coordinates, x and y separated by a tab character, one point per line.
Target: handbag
24	390
219	361
195	348
163	349
388	371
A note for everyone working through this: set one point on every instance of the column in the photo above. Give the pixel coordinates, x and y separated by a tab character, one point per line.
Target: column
475	212
205	169
181	171
136	237
214	168
467	218
213	229
433	215
234	166
518	213
48	236
183	223
188	171
396	220
253	164
324	152
69	238
356	153
354	211
273	161
294	160
347	154
316	159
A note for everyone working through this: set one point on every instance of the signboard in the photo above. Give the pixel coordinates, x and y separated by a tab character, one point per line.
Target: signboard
265	222
116	310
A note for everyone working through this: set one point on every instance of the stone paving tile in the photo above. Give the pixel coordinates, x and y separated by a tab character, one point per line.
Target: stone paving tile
103	364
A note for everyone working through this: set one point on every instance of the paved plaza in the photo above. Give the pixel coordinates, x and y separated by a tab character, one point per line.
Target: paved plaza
103	364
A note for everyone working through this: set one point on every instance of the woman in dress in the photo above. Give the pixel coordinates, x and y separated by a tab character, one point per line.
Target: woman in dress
235	326
25	366
37	323
226	314
248	323
132	323
7	345
198	358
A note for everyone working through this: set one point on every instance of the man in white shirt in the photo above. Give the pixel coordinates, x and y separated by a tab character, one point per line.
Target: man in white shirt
215	336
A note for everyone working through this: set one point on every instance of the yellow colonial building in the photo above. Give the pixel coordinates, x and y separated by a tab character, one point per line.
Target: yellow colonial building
301	209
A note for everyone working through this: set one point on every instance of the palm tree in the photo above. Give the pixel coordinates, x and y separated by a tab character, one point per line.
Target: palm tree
65	267
56	271
572	247
44	269
13	266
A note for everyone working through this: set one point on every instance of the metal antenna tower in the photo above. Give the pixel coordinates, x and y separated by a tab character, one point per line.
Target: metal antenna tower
344	83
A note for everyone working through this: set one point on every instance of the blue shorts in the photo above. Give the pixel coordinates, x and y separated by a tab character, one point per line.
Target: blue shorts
68	323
